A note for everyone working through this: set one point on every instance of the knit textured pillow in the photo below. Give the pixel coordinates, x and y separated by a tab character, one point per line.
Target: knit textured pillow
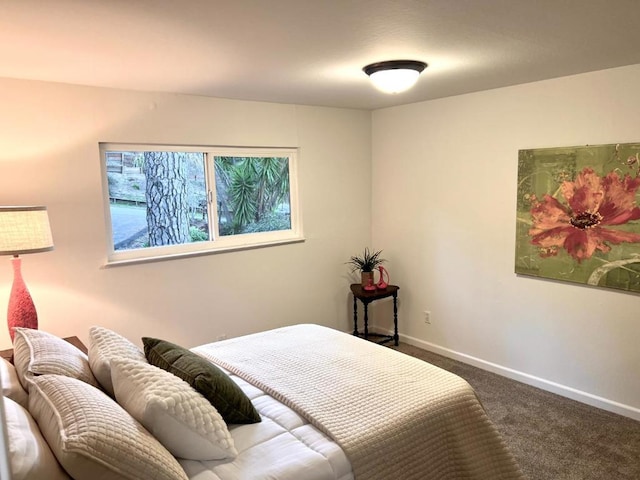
95	438
36	352
216	386
104	346
176	415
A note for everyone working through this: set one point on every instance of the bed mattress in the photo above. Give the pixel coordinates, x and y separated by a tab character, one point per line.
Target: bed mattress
383	408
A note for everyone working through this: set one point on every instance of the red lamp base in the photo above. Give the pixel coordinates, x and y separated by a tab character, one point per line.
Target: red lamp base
21	311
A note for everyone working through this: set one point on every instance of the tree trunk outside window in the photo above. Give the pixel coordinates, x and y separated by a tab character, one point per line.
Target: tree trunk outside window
167	201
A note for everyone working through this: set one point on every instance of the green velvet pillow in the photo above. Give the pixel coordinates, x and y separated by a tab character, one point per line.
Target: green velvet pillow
215	385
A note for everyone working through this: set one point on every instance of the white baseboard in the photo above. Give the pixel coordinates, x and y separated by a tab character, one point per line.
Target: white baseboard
563	390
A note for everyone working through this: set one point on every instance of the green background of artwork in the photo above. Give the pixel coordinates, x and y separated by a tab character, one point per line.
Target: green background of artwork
542	171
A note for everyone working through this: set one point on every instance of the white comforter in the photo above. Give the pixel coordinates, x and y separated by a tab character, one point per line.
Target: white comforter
284	446
394	416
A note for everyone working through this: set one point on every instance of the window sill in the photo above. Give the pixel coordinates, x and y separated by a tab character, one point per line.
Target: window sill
196	253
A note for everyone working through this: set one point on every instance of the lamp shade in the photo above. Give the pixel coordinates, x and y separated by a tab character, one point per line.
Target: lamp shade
24	230
394	76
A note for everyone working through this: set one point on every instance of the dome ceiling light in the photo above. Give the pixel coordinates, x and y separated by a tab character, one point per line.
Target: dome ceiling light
394	76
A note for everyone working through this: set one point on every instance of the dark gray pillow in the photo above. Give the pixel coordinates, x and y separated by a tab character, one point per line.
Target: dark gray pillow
215	385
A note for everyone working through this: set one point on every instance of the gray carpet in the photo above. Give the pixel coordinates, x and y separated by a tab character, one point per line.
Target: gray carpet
552	437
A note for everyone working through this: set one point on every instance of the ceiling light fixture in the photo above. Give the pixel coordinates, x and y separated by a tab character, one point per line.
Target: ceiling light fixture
394	76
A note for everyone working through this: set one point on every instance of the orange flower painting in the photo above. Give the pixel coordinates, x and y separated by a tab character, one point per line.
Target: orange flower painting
578	215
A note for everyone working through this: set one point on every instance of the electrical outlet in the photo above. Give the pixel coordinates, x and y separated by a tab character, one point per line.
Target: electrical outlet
427	317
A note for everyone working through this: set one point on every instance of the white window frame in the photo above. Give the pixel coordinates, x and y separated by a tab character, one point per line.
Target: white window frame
217	243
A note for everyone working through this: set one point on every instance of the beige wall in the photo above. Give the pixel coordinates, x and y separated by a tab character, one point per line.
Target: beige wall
444	186
443	210
49	136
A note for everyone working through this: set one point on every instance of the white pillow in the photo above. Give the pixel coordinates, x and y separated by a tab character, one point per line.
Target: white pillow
104	346
29	455
95	438
39	353
178	416
11	386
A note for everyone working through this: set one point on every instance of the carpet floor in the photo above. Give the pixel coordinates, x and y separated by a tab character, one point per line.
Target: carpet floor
552	437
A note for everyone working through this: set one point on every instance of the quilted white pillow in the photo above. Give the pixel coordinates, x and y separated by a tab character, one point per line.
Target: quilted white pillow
177	415
104	346
29	455
39	353
95	438
11	386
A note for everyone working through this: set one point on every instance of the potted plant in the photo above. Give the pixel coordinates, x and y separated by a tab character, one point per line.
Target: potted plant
366	263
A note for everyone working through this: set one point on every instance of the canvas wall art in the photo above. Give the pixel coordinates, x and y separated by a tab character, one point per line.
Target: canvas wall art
578	215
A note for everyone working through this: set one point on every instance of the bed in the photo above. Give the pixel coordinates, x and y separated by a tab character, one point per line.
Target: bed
327	406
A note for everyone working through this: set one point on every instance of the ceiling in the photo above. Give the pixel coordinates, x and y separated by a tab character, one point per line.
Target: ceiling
312	51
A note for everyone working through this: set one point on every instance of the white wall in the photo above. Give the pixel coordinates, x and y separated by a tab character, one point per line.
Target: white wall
444	204
49	136
443	210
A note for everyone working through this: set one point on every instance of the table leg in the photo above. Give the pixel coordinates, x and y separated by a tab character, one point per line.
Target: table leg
395	319
355	316
366	321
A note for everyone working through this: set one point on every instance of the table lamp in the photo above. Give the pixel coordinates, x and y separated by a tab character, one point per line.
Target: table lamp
23	230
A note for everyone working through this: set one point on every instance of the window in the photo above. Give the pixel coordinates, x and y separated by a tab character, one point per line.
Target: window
174	201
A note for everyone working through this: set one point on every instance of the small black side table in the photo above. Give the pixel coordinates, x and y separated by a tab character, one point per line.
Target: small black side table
368	296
